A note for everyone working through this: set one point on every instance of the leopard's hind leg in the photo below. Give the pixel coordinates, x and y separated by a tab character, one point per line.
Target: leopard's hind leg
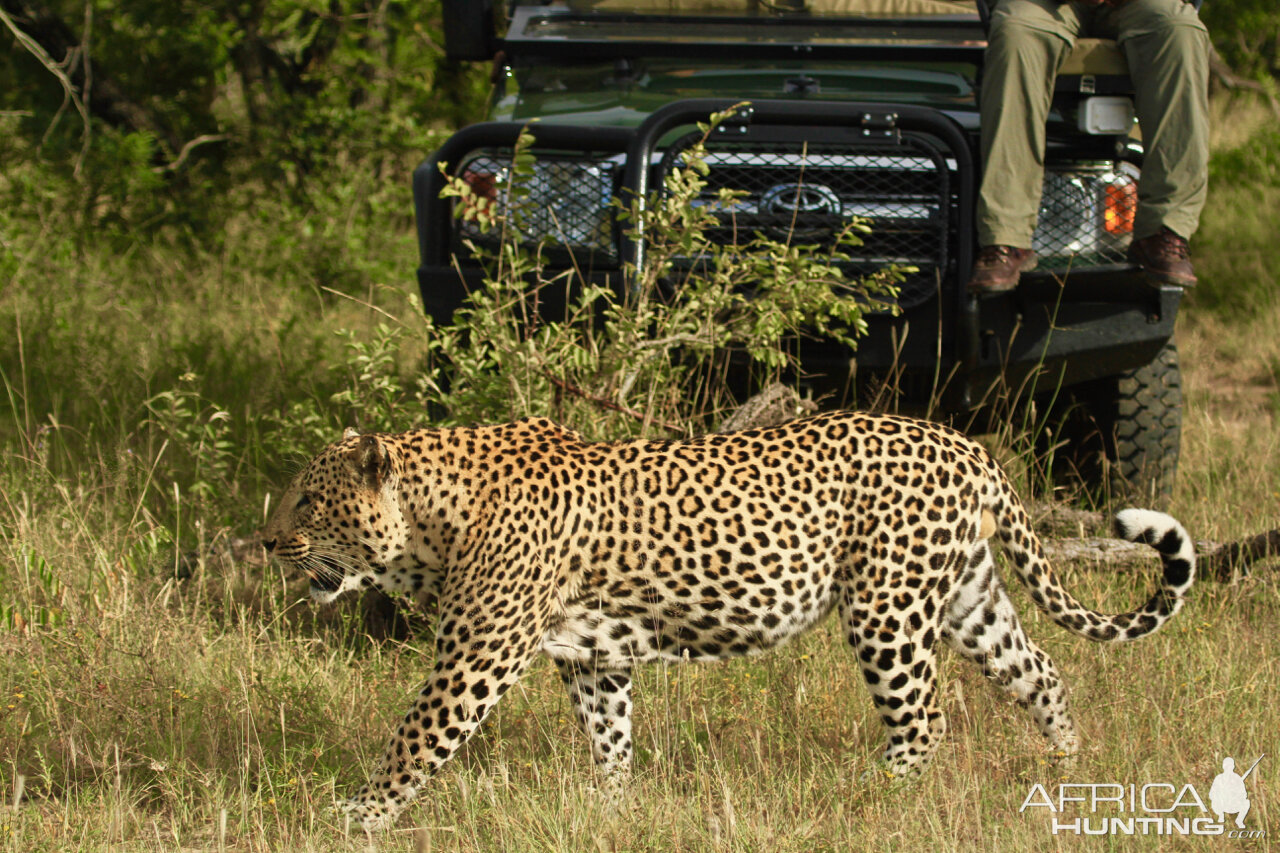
602	703
981	624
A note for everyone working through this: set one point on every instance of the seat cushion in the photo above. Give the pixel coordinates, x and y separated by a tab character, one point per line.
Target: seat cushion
1096	56
875	8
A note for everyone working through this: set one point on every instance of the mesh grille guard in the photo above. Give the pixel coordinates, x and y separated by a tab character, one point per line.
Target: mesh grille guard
878	154
808	192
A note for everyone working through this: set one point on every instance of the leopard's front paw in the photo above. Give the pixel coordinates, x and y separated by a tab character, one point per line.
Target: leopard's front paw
376	808
1065	758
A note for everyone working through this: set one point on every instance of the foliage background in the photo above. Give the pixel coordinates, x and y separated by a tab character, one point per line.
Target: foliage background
280	94
1246	33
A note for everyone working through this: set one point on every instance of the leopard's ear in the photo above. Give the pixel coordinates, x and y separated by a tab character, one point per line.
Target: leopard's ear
371	459
350	432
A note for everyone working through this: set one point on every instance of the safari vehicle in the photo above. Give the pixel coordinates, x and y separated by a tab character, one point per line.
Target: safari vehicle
857	108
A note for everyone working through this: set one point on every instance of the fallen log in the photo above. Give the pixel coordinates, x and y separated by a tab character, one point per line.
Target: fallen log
1218	561
774	405
1223	562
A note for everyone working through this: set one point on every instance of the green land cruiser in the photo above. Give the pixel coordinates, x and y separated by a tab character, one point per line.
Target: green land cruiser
858	108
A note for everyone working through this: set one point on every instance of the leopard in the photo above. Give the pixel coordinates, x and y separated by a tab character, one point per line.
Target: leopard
605	555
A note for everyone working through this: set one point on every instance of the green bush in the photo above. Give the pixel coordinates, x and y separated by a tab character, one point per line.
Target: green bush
1246	33
146	114
1236	254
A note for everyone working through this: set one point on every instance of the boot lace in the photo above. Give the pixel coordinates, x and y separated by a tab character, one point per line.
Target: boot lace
1174	245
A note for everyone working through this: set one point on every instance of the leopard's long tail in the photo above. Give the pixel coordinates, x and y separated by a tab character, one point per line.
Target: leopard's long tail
1161	531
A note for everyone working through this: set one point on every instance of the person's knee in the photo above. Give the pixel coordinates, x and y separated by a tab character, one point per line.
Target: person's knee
1017	36
1176	25
1186	38
1025	51
1178	48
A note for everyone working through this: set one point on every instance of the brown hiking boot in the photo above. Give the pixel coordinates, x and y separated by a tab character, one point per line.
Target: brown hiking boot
996	269
1164	258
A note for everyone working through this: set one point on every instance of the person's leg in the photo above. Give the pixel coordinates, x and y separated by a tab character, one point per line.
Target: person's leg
1168	49
1028	41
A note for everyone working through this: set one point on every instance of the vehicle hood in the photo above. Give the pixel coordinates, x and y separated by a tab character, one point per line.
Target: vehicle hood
624	94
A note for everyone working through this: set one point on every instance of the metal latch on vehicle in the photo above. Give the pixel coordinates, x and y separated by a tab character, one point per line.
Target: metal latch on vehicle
738	122
880	125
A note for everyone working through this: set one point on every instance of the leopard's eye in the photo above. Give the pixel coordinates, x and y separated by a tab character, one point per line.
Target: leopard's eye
304	501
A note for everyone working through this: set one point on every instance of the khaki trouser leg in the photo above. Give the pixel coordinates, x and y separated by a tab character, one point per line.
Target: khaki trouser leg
1165	39
1028	41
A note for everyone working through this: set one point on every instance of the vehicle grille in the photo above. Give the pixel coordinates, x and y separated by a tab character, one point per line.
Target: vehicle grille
808	193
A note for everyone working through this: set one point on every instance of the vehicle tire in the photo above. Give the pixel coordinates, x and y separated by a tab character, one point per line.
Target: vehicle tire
1120	437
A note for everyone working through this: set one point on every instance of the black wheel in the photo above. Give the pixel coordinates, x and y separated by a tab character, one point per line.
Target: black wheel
1120	435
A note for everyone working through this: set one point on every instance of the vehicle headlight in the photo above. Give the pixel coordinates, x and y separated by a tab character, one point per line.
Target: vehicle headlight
1086	215
568	202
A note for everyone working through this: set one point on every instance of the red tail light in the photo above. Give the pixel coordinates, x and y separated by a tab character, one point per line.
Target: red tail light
1122	203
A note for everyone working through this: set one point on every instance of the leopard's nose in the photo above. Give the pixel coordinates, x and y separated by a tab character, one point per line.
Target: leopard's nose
269	544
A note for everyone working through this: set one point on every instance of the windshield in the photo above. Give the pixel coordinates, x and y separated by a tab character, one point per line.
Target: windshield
768	8
819	29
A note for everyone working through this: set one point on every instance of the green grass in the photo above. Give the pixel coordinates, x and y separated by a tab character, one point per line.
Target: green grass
1236	253
157	695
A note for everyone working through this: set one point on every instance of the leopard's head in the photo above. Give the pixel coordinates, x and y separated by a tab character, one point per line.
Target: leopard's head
340	520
